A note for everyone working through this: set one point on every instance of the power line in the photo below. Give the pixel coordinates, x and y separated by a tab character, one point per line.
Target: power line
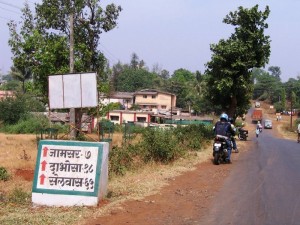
11	5
4	18
10	10
104	49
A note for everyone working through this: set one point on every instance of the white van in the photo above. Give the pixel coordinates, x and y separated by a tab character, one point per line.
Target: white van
268	124
257	104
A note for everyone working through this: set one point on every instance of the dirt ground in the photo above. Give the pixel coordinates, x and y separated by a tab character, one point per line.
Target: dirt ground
188	196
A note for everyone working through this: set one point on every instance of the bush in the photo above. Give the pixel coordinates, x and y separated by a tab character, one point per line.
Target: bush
4	174
27	124
14	108
160	146
120	160
19	196
11	110
194	135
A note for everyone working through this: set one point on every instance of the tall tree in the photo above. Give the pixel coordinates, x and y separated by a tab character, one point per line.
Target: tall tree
275	71
134	62
21	76
21	47
48	37
229	71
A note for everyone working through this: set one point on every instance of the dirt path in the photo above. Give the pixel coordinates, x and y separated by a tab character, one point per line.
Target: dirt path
184	201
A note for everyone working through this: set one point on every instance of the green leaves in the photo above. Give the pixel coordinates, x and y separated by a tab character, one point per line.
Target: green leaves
42	45
229	71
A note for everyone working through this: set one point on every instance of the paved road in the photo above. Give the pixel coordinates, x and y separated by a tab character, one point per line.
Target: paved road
264	186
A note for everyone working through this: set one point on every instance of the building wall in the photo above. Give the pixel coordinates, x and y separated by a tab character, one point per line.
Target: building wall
126	103
119	117
160	100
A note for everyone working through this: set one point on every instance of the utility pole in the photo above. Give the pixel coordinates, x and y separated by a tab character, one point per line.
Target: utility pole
72	110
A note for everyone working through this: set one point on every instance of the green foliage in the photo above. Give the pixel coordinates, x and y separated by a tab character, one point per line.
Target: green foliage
267	86
19	196
160	146
11	110
109	107
11	85
279	107
239	123
41	47
229	71
28	124
297	121
134	79
4	175
120	159
193	136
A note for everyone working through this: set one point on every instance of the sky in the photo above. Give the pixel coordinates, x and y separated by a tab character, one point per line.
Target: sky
174	34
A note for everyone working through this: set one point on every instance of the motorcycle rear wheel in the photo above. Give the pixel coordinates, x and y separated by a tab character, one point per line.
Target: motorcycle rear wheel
217	159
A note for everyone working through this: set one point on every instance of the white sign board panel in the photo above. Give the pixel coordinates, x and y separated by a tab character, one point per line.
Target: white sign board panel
73	91
56	87
70	173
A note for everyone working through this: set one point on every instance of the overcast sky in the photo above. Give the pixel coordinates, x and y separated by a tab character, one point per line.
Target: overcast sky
177	33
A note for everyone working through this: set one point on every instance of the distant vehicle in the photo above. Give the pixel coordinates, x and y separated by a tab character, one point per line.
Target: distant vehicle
257	115
268	124
257	104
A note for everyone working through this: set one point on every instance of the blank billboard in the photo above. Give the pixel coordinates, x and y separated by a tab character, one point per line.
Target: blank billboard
73	91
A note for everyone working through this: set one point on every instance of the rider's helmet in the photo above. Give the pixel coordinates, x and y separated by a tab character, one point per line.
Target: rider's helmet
224	116
230	120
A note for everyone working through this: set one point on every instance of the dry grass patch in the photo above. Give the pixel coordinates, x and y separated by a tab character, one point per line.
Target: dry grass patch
134	185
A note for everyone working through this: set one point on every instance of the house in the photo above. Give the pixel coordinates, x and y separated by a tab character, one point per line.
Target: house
149	99
125	116
124	98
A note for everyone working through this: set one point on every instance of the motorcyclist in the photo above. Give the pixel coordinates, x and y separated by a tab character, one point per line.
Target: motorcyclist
232	136
259	126
223	127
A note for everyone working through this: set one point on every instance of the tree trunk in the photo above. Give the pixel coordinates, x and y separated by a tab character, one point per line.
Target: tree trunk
232	107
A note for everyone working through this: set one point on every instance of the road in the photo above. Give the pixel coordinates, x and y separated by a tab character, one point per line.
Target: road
263	188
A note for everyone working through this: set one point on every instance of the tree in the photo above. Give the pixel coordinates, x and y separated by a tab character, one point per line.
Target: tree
134	63
267	87
275	71
229	71
47	37
131	80
22	47
21	76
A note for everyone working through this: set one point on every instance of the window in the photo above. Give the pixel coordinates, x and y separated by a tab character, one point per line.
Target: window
163	106
144	96
153	96
141	119
114	118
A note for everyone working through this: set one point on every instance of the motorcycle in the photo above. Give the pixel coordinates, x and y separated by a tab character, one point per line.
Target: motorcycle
220	152
242	134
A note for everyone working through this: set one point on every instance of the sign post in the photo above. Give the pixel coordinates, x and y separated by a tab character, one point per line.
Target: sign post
70	173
